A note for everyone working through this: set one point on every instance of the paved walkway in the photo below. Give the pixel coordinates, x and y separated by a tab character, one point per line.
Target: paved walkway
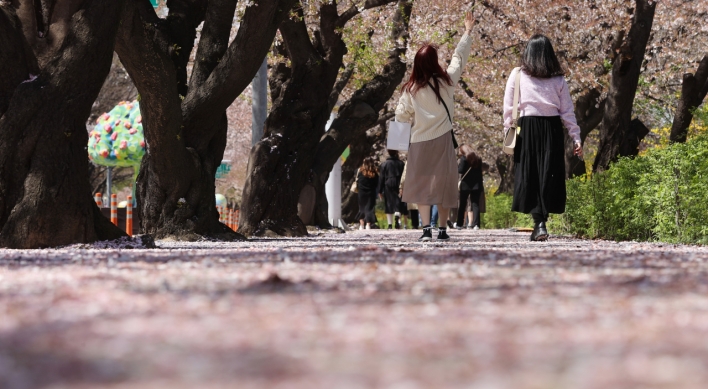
365	309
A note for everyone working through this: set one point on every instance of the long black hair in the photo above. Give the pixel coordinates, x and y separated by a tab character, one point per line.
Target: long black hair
539	59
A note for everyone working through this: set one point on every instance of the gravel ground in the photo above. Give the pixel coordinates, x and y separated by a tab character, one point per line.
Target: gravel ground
365	309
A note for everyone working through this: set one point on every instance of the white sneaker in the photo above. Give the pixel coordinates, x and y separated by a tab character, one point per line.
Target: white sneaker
368	227
475	228
361	227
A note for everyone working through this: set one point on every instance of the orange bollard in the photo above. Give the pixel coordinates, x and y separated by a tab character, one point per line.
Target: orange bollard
99	199
129	216
114	209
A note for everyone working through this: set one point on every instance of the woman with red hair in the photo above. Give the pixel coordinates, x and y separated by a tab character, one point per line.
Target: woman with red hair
427	102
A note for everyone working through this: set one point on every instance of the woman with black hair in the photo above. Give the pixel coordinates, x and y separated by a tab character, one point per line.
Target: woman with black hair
367	181
544	108
471	186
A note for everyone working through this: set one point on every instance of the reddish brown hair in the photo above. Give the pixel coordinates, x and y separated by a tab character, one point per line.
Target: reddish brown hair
426	68
368	168
472	158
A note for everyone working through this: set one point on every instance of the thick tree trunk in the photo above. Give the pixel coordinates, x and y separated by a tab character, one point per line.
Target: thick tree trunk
185	124
280	164
693	91
360	112
616	137
45	197
589	109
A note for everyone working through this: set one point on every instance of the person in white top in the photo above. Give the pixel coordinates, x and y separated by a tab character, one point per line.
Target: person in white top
545	107
427	102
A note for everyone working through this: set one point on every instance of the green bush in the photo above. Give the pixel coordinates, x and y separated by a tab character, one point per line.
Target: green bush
659	196
499	214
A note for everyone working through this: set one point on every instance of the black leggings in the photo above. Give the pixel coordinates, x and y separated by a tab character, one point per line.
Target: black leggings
473	195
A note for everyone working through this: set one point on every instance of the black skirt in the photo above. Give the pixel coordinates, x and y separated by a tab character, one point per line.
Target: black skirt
539	161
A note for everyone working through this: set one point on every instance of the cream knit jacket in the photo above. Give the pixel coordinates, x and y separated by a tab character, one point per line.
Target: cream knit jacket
428	117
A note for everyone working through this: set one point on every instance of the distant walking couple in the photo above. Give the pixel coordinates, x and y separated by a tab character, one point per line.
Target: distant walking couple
544	105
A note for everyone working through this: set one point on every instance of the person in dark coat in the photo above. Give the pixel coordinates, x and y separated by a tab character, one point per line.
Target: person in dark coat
390	175
471	186
367	181
544	107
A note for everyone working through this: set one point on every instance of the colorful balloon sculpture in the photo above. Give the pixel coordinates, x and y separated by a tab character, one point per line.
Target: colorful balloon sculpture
117	139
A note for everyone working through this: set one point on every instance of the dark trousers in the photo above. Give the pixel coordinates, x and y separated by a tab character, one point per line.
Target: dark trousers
539	217
415	218
473	196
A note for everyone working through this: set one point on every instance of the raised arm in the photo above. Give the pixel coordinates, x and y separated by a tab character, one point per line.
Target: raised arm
462	52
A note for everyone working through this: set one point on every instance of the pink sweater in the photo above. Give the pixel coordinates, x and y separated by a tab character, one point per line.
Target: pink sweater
541	97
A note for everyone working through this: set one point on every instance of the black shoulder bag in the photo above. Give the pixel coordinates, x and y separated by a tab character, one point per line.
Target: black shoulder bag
454	141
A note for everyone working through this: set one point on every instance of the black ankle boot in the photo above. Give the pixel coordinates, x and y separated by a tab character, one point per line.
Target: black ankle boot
427	234
540	233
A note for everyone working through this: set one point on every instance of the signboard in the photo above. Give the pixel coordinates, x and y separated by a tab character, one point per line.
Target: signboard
223	169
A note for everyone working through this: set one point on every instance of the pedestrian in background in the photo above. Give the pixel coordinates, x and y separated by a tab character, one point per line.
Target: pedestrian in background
544	108
390	175
471	186
367	181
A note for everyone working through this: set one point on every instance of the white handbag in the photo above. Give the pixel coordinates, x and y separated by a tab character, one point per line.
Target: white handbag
511	133
399	136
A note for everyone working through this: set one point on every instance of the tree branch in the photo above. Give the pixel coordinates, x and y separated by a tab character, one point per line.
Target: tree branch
340	85
240	63
214	39
360	112
355	10
693	91
182	22
296	39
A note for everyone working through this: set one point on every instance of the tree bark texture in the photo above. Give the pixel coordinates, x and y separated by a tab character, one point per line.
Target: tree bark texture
53	61
185	123
615	133
589	109
280	164
693	91
361	111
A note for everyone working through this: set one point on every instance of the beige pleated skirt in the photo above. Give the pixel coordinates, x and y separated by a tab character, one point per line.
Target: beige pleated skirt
431	173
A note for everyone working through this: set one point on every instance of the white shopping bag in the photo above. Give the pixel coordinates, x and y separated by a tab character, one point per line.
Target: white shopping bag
399	136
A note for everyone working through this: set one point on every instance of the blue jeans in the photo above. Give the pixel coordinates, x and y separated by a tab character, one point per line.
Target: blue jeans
434	216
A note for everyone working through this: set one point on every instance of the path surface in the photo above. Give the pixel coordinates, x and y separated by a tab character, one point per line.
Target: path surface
367	309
